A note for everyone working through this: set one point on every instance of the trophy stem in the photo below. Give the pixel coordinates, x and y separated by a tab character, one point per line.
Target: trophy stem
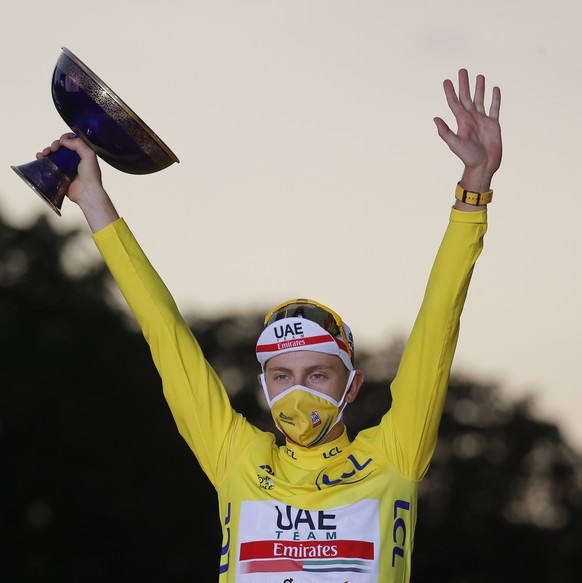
51	176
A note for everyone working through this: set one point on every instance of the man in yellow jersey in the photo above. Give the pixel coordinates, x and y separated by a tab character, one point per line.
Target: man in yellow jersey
320	508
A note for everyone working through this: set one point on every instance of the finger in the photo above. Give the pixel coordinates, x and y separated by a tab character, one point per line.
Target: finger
73	142
495	103
464	91
441	125
451	96
54	147
44	152
480	93
444	131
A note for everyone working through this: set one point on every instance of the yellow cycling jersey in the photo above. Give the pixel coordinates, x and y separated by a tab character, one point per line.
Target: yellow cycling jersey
339	512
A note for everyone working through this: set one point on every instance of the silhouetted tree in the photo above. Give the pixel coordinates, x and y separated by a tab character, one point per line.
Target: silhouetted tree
97	485
502	500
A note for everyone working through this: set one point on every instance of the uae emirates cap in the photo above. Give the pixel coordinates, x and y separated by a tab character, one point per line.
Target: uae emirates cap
299	333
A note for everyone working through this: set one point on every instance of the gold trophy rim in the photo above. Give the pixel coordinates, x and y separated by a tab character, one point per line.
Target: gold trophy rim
119	102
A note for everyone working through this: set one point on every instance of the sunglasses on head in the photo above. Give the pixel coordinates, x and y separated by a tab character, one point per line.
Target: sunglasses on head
315	312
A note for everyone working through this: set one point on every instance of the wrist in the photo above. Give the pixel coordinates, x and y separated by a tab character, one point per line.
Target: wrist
468	208
98	208
476	180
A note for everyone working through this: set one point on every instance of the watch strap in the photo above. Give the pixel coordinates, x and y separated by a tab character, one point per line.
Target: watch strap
471	197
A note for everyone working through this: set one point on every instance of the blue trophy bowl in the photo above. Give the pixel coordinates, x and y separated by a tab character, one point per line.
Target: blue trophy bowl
101	119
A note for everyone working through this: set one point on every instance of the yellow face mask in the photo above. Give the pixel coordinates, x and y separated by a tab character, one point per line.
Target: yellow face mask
303	415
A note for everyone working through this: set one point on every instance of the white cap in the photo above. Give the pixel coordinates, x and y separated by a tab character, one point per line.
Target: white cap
295	334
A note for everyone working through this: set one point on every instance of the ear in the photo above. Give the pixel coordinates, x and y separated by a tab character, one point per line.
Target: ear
355	387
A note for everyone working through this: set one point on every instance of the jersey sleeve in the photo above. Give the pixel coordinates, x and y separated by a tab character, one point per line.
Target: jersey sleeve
419	388
196	397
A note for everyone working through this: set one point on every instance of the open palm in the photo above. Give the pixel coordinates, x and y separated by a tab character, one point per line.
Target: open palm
478	139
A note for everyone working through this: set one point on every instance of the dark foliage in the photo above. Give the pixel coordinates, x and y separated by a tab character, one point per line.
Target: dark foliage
97	485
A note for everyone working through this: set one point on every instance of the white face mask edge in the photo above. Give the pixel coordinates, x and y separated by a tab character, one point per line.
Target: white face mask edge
338	406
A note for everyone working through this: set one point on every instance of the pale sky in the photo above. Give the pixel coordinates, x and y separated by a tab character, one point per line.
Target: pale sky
310	164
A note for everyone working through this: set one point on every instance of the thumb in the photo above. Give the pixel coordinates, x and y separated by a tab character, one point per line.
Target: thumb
446	134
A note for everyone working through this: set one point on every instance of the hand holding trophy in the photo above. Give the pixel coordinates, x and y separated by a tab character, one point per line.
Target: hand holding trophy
102	120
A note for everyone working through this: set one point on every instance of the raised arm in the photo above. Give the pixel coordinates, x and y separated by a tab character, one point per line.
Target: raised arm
478	139
419	389
198	401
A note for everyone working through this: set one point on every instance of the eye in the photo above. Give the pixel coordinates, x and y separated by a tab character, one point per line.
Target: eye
318	376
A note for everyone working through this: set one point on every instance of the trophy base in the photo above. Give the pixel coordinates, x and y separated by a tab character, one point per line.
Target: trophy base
51	176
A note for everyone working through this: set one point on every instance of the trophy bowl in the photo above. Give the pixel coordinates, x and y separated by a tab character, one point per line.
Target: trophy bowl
100	118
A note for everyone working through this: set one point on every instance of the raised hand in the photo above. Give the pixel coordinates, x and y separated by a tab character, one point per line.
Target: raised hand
478	139
86	189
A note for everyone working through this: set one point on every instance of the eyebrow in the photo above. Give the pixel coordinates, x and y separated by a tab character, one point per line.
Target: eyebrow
308	369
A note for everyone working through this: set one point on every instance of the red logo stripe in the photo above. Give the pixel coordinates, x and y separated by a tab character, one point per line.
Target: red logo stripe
295	342
276	566
328	549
